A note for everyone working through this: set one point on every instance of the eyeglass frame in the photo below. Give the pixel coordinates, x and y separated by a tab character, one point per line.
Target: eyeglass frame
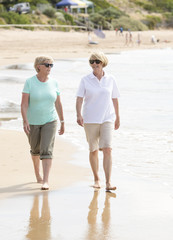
97	61
47	65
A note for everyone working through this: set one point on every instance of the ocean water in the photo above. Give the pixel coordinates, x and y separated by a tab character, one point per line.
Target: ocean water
143	146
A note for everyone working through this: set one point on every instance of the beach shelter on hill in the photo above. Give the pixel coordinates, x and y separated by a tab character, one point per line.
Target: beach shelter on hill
80	4
65	3
88	3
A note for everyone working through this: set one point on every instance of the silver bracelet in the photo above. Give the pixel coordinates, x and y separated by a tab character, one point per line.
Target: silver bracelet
62	121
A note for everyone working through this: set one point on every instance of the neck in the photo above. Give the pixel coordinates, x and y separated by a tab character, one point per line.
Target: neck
42	78
99	74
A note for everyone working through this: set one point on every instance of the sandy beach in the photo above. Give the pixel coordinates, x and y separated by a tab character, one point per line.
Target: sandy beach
22	46
72	210
139	209
15	179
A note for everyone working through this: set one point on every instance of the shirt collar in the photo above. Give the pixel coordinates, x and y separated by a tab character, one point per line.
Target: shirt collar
93	76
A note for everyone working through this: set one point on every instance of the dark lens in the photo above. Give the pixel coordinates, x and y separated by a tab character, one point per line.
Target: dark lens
48	65
91	61
97	61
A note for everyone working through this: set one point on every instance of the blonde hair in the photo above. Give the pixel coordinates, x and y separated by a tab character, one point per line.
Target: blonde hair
100	56
40	60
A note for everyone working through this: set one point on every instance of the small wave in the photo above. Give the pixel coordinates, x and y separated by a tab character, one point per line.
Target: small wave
9	106
8	79
19	67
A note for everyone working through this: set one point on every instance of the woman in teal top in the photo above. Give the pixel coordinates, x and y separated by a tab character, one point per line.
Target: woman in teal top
40	107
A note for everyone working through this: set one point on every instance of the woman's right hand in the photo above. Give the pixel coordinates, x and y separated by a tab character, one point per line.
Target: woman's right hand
80	120
26	127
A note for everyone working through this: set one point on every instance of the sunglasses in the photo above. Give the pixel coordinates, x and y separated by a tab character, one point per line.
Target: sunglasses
48	65
96	61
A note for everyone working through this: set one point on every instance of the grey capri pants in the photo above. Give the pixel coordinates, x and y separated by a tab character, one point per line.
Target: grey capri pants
41	139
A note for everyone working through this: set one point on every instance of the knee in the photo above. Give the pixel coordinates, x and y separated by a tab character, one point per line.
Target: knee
107	151
94	153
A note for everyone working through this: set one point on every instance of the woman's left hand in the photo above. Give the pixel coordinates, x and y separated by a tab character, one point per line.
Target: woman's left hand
117	123
62	129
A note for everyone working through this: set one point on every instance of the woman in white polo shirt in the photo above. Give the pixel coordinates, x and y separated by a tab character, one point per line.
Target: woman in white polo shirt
99	94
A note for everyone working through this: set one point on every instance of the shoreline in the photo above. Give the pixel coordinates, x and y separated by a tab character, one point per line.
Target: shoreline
22	46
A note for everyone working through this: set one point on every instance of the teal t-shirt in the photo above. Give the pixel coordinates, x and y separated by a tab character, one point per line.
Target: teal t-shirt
42	97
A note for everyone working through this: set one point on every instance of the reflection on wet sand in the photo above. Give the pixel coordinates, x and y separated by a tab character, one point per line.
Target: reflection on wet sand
39	224
94	231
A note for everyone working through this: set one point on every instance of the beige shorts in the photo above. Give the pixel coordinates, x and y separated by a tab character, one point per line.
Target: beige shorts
41	139
99	136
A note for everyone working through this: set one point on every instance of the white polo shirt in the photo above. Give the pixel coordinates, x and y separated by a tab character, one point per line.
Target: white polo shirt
98	106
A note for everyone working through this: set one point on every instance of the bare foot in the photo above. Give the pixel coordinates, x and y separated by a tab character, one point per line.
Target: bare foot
45	186
96	185
109	187
39	179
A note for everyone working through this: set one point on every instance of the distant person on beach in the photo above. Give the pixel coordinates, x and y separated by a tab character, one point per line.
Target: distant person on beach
138	39
116	31
40	108
130	38
153	39
126	39
121	31
100	115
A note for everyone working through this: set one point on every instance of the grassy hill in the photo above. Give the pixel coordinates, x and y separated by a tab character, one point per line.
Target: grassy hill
153	13
108	14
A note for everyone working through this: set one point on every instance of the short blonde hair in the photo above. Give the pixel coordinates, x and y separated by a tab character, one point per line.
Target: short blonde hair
100	56
40	60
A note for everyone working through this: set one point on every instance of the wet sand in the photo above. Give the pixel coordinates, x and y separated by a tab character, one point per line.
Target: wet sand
138	209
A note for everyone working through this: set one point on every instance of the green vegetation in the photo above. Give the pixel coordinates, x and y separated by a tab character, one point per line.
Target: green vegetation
128	23
168	19
50	12
101	4
15	18
152	21
155	5
108	14
2	21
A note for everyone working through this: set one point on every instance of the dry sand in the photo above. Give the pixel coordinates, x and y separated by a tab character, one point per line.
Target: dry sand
71	210
21	46
17	175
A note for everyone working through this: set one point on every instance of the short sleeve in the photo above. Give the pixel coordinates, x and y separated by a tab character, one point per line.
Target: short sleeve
81	89
115	91
26	88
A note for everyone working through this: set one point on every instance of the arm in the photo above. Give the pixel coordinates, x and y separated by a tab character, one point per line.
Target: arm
59	110
79	102
116	107
24	108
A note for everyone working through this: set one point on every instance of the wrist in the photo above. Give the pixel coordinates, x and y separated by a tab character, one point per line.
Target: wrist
61	121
